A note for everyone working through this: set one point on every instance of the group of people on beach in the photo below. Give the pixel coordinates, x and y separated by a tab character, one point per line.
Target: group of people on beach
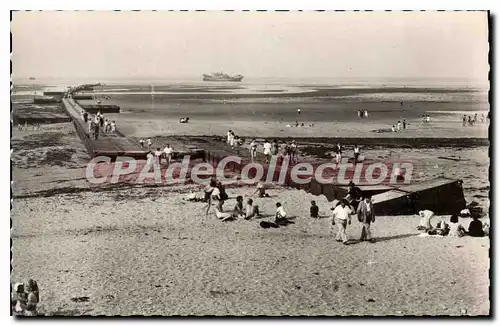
157	156
273	149
453	228
97	123
25	126
468	120
233	140
342	211
216	192
338	149
426	118
400	126
362	113
25	298
301	124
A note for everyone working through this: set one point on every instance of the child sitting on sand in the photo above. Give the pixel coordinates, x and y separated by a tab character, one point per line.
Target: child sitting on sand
476	228
251	210
280	211
224	217
456	229
314	210
425	221
261	190
238	208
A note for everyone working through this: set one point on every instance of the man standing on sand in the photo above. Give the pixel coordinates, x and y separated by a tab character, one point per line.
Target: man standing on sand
267	150
253	149
168	153
158	155
356	153
342	213
338	151
293	152
366	215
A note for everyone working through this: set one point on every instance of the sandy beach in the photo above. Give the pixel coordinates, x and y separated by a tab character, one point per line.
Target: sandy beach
146	251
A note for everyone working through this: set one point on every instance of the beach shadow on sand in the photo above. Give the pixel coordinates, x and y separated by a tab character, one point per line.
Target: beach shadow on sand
382	239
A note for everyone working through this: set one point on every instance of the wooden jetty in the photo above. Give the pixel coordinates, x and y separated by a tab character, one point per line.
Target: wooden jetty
108	144
46	100
82	97
103	108
39	117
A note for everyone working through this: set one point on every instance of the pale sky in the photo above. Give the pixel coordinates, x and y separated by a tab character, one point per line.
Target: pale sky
254	44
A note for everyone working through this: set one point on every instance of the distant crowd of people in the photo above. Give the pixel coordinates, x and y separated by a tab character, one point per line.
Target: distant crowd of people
468	120
400	126
97	123
271	149
156	156
362	113
426	118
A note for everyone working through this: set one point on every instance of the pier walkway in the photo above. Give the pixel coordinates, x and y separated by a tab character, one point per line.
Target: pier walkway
108	144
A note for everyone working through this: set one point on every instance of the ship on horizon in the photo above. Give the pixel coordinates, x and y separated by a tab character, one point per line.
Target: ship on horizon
220	76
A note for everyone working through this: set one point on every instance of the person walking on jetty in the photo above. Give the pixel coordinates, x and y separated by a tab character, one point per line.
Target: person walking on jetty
293	152
356	153
338	153
274	148
141	142
342	213
404	124
85	116
149	144
158	155
150	160
96	131
168	153
464	120
229	136
398	126
106	124
113	126
91	126
253	149
366	216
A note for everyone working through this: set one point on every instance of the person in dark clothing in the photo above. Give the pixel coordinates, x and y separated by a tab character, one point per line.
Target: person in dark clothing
314	210
96	131
404	124
85	117
476	228
354	194
464	120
